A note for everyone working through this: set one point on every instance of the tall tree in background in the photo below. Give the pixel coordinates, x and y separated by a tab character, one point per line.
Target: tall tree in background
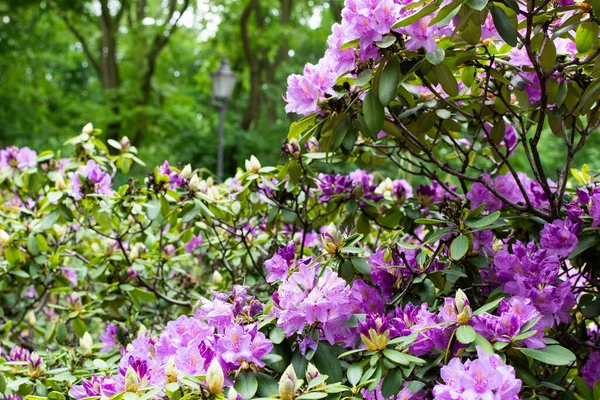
104	56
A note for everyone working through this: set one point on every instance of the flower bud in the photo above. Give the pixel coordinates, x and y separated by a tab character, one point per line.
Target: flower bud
194	184
461	300
233	394
171	370
252	165
30	316
215	377
60	183
374	332
131	380
332	239
88	129
217	277
209	181
3	237
86	343
134	254
74	302
142	330
313	145
186	172
288	384
35	365
293	148
125	144
464	317
311	373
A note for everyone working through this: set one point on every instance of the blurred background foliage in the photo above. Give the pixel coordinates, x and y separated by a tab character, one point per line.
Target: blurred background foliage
141	68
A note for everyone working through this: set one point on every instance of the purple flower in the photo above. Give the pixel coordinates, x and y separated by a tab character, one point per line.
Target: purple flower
95	386
279	265
110	337
90	179
16	158
591	370
193	244
235	345
560	237
515	313
487	377
302	96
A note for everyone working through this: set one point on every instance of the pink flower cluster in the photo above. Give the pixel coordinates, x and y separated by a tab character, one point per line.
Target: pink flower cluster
487	377
16	158
219	330
90	178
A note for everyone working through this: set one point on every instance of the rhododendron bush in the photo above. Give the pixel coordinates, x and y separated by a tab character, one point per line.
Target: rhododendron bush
454	276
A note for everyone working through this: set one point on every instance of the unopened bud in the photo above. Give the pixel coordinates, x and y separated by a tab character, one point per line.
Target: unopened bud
131	380
31	318
464	317
252	165
74	302
313	145
194	184
134	254
217	277
35	365
233	394
461	300
215	377
125	144
311	373
293	148
171	370
288	384
209	181
142	330
88	129
85	343
332	239
3	237
186	172
60	183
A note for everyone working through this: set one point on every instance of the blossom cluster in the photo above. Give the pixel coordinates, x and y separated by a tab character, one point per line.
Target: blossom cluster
220	331
486	377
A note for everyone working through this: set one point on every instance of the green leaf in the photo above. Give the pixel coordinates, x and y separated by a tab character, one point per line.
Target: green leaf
585	36
478	5
354	373
373	113
402	358
392	383
488	306
548	56
466	334
446	79
435	57
553	355
483	222
361	265
246	384
425	11
483	343
267	386
276	335
298	127
390	76
504	26
327	362
459	247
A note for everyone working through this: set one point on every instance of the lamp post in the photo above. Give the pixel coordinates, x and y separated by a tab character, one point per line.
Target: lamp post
223	82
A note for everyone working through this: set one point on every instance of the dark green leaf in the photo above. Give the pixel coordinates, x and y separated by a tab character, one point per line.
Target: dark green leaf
390	76
504	26
373	113
459	247
246	384
446	79
552	355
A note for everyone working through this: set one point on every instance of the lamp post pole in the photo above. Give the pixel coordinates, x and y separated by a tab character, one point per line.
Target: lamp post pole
221	139
222	85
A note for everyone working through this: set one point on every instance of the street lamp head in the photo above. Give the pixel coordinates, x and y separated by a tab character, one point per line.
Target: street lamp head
223	81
